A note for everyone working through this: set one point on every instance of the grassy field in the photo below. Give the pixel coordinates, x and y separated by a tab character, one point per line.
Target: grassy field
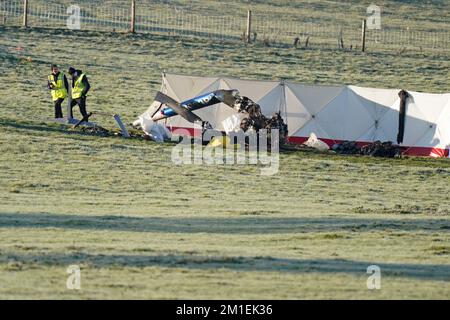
415	26
141	227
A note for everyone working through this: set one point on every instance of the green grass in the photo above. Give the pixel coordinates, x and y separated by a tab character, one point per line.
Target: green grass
141	227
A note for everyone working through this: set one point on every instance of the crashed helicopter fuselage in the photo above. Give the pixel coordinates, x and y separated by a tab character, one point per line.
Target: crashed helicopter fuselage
253	118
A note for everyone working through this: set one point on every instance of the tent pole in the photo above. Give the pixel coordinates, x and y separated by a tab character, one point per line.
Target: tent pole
163	84
283	99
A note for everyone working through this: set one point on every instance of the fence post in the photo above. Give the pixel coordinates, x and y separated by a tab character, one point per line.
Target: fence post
341	39
25	13
363	35
249	26
133	16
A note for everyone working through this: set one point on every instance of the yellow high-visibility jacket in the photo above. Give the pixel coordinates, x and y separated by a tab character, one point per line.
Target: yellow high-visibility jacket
78	87
59	90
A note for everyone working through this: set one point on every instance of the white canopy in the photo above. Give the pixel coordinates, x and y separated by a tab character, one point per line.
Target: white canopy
333	113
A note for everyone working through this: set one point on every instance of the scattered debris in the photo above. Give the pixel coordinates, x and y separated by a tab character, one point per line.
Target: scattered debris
295	147
97	130
153	130
346	147
375	149
382	149
123	129
316	143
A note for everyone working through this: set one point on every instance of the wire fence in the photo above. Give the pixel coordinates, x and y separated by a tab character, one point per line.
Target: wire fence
268	28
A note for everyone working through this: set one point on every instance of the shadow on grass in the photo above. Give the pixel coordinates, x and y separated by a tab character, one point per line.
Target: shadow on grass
42	127
258	264
244	225
32	126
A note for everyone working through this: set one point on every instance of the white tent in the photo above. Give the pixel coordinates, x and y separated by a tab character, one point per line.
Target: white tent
333	113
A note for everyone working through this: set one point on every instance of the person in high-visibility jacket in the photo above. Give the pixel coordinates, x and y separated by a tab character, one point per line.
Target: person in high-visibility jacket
58	86
80	89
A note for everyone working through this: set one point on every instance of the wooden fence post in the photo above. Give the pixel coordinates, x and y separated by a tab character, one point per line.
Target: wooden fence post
341	39
249	26
133	16
363	35
25	13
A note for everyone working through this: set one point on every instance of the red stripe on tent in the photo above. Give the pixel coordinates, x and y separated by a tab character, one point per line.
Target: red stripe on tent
427	152
410	151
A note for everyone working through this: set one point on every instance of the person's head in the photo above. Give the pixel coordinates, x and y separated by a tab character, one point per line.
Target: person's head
72	71
55	69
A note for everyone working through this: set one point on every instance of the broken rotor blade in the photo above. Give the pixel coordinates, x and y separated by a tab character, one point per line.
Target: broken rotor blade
157	110
229	97
170	102
85	119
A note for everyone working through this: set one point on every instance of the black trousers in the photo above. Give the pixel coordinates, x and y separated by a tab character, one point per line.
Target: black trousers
81	102
58	108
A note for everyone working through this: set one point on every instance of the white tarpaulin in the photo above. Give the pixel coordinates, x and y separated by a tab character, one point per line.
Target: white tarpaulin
333	113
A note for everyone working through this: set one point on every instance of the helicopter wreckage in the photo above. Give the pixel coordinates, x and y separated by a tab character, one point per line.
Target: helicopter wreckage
248	119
